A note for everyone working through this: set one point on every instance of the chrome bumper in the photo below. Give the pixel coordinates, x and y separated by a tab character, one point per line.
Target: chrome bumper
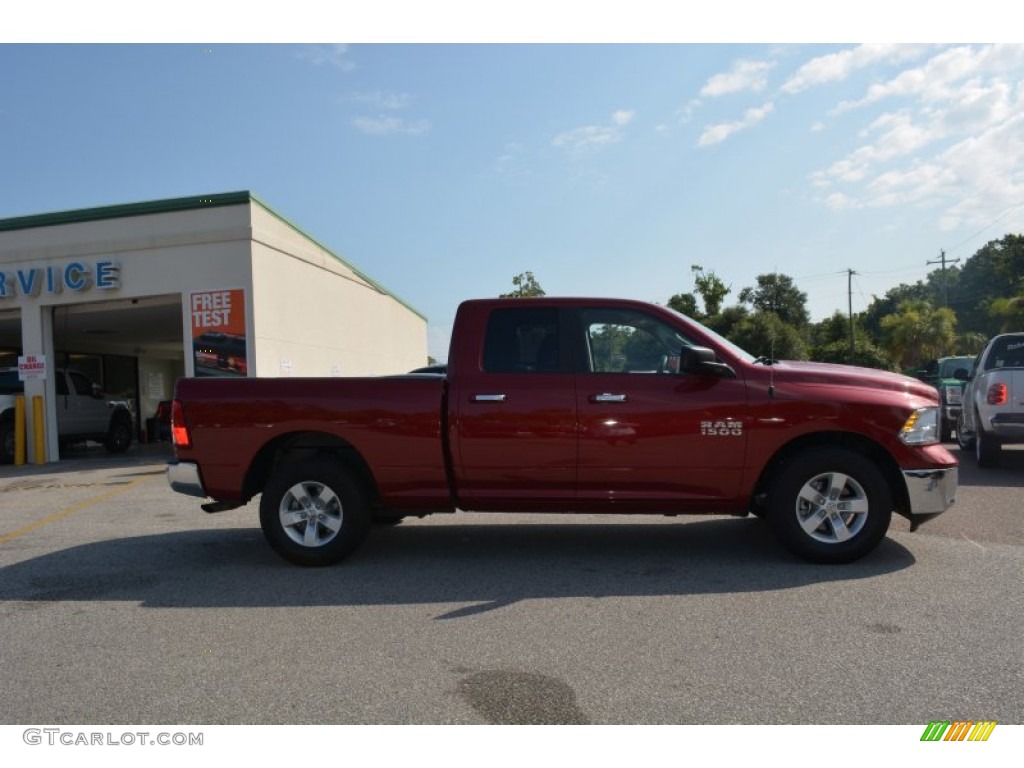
183	477
931	491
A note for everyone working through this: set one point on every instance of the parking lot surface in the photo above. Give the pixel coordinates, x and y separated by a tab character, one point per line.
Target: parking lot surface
122	602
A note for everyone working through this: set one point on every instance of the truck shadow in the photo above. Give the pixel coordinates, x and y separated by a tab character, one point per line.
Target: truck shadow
464	569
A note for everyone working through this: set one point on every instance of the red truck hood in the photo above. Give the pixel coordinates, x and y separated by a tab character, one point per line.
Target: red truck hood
852	376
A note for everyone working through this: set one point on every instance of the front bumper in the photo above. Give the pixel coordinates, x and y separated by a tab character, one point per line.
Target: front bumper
183	477
930	491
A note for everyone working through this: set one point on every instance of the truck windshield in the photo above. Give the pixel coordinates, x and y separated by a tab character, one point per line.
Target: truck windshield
737	351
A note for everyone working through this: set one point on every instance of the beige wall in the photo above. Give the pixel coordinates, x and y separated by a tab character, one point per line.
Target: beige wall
316	316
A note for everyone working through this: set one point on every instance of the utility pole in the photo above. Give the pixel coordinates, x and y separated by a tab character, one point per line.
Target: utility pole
849	298
943	261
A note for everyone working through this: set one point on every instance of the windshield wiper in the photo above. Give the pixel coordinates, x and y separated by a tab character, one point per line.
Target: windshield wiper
765	360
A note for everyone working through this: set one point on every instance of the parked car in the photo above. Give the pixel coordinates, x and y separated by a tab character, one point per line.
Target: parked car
993	401
949	376
83	412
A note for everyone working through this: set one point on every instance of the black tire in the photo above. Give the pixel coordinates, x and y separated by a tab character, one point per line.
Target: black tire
119	436
988	449
964	438
6	443
316	493
852	521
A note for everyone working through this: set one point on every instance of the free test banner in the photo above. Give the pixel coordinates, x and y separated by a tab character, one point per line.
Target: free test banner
218	332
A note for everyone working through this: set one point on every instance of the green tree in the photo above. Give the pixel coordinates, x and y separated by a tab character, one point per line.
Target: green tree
687	304
865	354
764	334
994	272
525	286
778	294
917	332
1010	311
711	290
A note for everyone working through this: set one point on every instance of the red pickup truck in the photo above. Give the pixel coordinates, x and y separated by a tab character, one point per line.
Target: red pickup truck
571	405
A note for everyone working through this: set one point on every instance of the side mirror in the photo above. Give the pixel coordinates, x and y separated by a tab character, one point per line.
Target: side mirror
97	392
701	361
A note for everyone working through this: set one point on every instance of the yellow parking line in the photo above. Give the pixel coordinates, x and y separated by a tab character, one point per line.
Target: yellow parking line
53	518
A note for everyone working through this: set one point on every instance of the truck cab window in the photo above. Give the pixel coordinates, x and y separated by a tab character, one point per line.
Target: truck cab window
625	341
523	340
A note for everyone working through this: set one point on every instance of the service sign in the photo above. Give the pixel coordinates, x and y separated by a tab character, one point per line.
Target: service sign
31	367
218	332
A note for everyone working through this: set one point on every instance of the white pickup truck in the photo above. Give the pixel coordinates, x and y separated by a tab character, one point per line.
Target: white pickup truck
993	402
83	413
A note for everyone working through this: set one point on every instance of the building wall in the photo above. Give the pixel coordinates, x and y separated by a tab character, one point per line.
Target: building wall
317	316
308	313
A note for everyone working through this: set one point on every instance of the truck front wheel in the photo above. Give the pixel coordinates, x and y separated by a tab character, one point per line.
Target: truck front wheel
313	513
830	506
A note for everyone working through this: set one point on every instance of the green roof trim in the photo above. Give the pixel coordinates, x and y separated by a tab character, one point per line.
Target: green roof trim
243	197
124	210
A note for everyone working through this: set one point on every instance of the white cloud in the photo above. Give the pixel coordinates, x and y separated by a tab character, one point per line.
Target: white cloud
332	55
955	139
835	67
714	134
590	137
387	125
623	116
745	75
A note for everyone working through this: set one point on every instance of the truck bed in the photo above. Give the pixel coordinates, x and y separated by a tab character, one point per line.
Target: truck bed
394	423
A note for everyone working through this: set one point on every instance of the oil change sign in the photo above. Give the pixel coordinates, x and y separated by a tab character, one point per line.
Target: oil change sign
31	367
218	332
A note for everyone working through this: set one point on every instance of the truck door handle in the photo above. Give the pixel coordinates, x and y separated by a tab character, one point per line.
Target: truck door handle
608	397
488	398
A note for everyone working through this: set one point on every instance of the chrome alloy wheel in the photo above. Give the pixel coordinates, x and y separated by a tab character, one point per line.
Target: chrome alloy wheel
310	514
832	507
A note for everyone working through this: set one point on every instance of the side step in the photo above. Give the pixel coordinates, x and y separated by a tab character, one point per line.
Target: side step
219	506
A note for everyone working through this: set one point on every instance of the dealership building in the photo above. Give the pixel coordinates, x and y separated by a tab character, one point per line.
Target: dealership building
137	296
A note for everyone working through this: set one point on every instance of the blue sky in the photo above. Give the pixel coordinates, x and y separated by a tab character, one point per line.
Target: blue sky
605	169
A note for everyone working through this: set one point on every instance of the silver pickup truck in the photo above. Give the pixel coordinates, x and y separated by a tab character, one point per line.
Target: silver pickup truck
83	413
993	401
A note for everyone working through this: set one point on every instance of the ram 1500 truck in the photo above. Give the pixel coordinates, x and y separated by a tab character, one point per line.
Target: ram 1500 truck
571	405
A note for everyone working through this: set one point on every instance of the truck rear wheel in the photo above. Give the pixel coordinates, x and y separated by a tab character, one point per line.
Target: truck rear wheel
830	506
988	448
313	513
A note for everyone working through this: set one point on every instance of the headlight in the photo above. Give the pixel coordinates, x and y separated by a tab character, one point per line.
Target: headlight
953	395
922	428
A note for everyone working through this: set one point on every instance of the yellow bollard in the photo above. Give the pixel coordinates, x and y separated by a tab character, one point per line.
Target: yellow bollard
19	430
38	429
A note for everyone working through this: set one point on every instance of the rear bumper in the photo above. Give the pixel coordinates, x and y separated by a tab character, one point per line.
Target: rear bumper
1009	427
183	477
930	491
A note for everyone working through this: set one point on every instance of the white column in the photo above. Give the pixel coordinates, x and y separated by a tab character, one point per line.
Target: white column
37	339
